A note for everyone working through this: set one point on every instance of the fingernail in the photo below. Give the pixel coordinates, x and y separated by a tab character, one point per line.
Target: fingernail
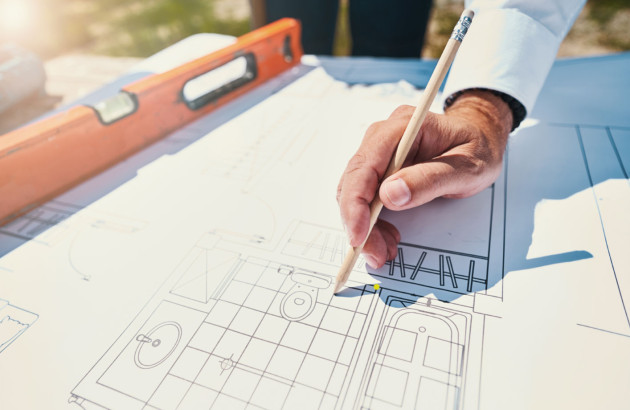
371	260
398	192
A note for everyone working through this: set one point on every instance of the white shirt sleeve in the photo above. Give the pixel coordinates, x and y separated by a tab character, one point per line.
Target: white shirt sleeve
511	45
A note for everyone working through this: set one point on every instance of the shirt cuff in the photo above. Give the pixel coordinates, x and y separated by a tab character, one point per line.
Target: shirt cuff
507	51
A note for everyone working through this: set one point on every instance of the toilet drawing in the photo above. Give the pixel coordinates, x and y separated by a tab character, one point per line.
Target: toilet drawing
300	301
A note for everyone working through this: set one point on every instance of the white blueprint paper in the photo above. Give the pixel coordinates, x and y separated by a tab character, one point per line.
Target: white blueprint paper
199	273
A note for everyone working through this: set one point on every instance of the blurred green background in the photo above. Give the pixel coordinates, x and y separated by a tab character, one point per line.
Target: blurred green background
139	28
85	44
602	27
136	28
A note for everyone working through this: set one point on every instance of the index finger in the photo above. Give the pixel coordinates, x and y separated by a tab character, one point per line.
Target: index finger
364	171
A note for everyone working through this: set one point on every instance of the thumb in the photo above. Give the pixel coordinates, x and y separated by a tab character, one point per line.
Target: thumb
418	184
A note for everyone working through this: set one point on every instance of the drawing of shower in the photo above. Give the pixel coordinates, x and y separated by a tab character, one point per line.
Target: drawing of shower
300	301
157	345
419	361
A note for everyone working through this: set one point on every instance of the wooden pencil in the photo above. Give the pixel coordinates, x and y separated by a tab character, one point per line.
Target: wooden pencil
409	135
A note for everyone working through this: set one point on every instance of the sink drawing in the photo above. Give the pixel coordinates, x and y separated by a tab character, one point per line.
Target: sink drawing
157	345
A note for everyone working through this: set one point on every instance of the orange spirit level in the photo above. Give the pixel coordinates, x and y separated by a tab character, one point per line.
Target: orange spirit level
42	160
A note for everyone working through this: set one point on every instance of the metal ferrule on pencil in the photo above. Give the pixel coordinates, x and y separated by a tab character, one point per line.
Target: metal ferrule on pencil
461	28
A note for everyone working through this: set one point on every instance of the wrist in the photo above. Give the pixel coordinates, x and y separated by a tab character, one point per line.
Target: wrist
484	109
516	107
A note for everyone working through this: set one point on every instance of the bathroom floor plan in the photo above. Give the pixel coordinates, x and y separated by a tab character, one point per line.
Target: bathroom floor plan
273	336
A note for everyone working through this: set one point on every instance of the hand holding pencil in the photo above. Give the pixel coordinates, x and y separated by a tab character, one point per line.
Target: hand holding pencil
415	156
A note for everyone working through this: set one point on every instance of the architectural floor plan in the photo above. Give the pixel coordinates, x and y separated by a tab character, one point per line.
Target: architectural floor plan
199	273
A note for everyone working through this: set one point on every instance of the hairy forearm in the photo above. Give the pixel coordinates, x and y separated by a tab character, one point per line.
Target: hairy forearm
488	113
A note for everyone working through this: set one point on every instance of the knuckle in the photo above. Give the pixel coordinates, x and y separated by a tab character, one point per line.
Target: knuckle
402	110
374	129
356	163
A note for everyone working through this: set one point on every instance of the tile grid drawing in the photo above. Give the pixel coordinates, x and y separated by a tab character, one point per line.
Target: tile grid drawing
234	363
322	247
265	370
236	366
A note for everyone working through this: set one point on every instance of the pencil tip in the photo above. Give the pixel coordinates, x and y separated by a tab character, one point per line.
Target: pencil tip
338	287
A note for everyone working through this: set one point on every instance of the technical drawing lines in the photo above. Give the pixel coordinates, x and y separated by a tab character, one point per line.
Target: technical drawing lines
419	357
273	337
144	362
275	328
270	335
621	147
431	267
612	145
471	274
93	227
14	322
300	301
46	223
157	345
318	243
251	152
416	268
603	330
39	221
198	270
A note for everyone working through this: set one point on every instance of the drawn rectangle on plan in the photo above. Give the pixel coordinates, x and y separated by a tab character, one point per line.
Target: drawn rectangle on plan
200	271
388	384
437	268
14	321
268	326
398	343
40	221
444	355
318	243
142	365
436	395
438	350
458	271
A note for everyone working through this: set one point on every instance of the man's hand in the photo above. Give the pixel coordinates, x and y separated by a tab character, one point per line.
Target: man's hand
455	155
